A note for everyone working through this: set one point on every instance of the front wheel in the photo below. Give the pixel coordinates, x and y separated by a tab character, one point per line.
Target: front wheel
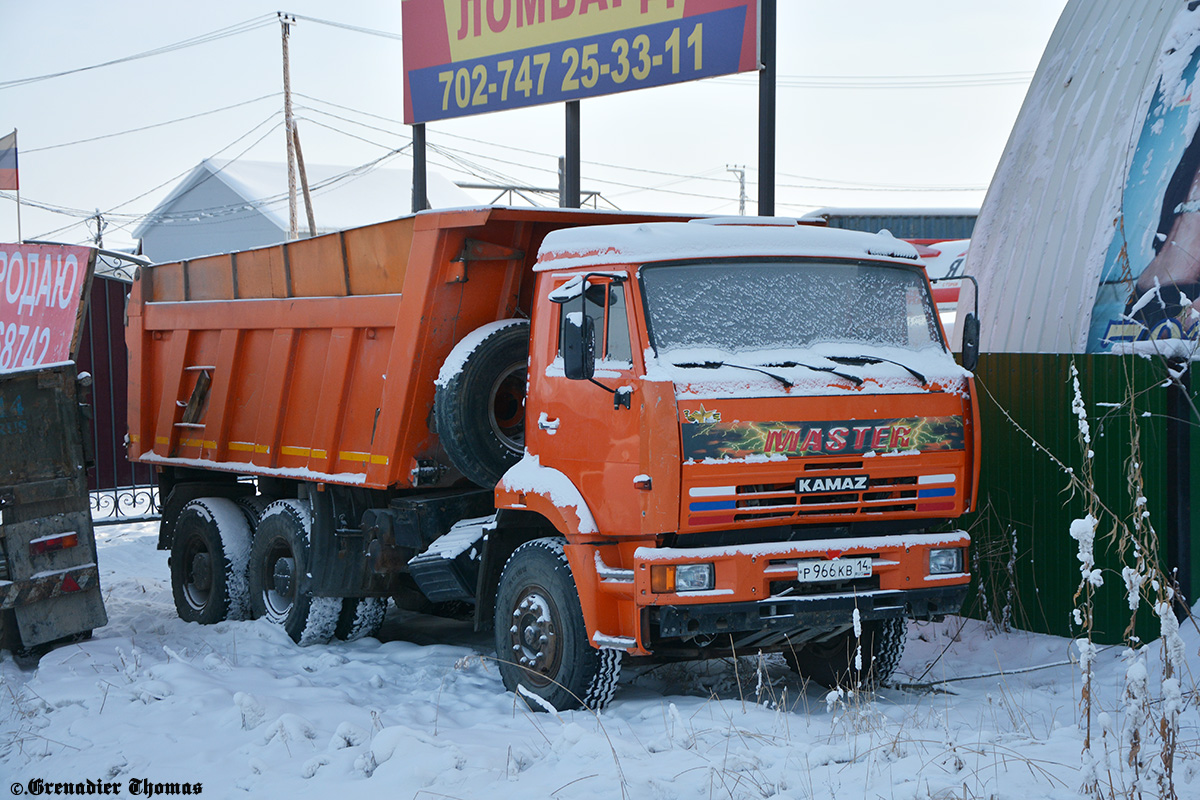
278	564
835	662
541	641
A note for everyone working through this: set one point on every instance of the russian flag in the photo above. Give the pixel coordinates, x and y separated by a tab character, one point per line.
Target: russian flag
8	162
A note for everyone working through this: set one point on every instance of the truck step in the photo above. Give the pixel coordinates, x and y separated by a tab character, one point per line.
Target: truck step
448	569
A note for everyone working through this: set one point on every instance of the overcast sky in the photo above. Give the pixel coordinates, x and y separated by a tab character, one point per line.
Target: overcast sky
880	103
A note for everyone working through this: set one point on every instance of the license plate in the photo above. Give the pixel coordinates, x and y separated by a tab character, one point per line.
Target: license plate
836	569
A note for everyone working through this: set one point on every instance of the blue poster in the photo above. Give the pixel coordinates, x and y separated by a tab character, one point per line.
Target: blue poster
1150	281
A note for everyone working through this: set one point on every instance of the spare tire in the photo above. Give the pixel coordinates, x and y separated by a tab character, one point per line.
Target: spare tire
479	406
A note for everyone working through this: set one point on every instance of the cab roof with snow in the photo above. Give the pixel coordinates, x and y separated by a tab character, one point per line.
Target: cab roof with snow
639	243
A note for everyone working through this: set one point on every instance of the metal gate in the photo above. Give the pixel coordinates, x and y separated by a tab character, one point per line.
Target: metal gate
119	489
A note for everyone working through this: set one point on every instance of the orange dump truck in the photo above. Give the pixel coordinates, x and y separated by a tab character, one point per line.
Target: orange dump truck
611	434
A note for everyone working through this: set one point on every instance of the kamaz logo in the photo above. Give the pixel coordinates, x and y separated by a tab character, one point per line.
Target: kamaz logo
807	485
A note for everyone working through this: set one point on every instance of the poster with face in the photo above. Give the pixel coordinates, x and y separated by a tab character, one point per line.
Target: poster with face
1149	293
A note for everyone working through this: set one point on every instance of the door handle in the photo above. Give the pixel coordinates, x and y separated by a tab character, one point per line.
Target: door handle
547	424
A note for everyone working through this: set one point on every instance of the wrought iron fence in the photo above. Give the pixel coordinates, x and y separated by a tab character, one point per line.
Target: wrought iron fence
120	490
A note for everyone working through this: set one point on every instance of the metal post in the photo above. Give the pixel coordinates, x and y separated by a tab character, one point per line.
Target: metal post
420	187
570	197
766	110
741	175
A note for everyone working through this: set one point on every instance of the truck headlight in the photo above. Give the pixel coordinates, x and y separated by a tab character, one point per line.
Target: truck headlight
946	562
681	578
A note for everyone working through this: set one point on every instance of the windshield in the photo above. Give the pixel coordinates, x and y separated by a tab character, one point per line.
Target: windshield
745	307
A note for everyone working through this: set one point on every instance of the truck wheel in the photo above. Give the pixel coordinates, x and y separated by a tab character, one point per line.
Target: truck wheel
832	663
253	507
278	560
541	642
208	561
479	406
360	617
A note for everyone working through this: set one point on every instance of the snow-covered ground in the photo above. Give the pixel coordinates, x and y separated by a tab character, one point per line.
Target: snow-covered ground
242	711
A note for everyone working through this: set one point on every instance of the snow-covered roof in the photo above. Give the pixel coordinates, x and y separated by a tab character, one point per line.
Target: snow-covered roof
712	238
343	197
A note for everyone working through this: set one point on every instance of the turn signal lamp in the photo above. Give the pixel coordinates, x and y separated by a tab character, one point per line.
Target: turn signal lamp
669	578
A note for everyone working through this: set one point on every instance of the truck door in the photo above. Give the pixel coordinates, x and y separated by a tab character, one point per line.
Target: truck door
589	430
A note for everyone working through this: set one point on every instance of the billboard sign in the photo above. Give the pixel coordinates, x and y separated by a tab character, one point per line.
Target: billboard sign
1150	282
41	303
465	57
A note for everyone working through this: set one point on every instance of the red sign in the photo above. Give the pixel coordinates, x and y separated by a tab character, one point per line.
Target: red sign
41	303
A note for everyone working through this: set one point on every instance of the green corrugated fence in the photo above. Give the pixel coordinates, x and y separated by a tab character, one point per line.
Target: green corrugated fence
1026	504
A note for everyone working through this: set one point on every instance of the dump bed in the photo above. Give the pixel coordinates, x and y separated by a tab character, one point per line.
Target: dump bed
316	359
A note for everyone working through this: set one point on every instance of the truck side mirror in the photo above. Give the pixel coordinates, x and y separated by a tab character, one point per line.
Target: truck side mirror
970	342
579	346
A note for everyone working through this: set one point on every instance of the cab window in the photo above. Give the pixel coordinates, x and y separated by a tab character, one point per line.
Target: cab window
605	304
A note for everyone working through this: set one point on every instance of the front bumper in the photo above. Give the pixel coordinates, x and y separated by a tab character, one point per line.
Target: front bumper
810	611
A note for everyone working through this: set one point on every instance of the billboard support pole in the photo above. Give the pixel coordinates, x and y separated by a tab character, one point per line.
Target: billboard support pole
766	110
570	198
420	186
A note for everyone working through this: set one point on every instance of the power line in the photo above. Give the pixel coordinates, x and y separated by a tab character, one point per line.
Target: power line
948	81
25	151
819	183
345	26
134	217
233	30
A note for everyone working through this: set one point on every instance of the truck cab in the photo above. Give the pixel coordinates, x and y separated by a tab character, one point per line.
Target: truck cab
750	437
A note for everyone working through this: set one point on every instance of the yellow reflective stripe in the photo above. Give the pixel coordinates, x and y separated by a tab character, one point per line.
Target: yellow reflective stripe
347	455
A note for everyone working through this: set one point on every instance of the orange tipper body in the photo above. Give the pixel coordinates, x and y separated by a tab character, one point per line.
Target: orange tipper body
316	359
614	434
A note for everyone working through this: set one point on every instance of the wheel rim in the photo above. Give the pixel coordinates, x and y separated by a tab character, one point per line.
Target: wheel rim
279	580
506	412
198	577
535	636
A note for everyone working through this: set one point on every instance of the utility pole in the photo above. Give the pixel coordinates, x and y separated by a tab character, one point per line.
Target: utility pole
308	209
285	23
98	239
741	173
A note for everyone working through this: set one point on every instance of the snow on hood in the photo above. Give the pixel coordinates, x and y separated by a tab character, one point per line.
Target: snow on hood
603	245
700	383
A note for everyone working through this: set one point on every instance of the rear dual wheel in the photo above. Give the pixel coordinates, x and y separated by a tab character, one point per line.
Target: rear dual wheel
208	561
279	562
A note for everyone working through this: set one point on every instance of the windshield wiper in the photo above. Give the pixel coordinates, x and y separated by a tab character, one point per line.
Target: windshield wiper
718	364
876	360
857	381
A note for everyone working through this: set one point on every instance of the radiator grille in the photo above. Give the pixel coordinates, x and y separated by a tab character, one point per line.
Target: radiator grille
826	493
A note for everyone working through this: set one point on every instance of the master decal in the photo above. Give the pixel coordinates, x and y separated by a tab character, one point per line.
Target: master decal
733	440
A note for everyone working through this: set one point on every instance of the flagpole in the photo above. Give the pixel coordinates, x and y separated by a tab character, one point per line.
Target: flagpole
18	190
